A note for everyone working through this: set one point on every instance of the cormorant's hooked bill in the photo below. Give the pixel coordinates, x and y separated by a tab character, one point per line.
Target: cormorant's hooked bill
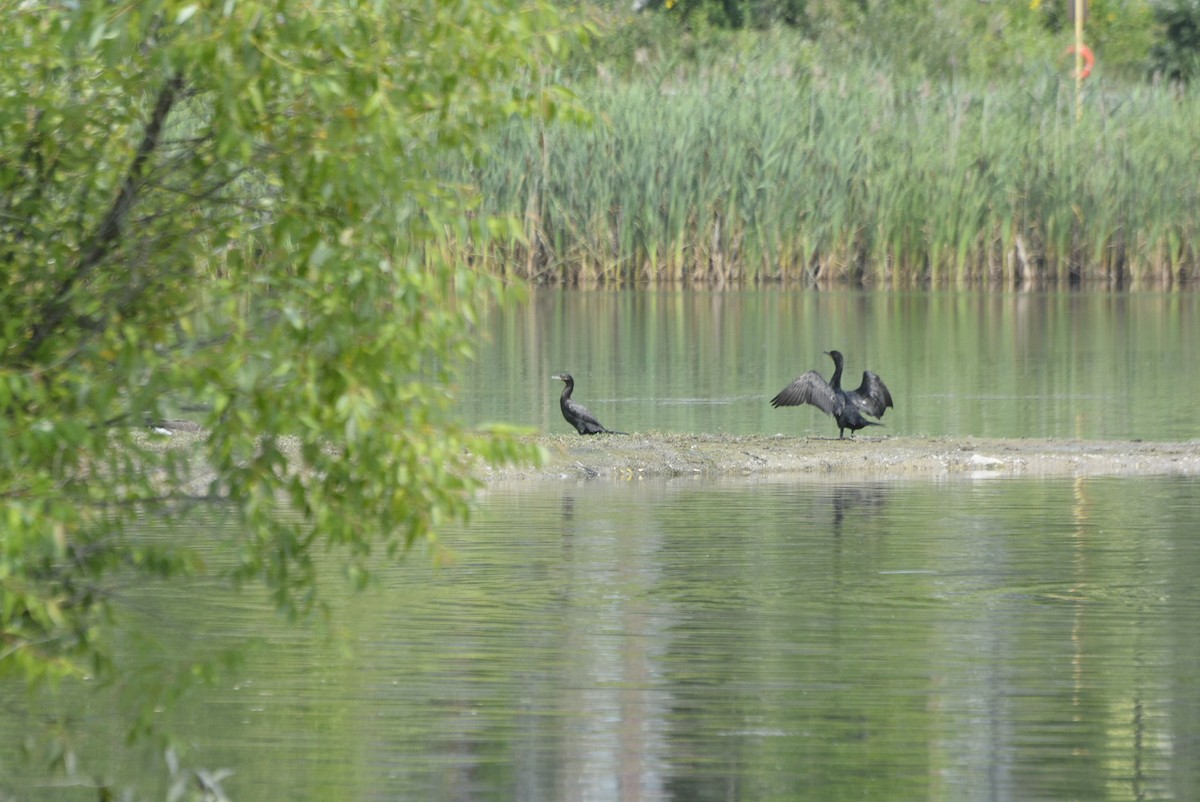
846	406
576	413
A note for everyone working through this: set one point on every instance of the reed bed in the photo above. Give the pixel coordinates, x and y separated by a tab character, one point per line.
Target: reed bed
858	177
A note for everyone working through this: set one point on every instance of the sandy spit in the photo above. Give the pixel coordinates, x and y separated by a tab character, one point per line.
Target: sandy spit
657	454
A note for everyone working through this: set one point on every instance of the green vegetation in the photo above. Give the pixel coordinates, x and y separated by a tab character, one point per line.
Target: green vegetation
953	153
987	40
224	210
1177	55
858	175
282	219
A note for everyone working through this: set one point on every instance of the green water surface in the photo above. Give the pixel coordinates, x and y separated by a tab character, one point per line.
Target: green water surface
1064	364
789	639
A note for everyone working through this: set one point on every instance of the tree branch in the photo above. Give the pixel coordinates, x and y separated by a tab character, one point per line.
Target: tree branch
108	233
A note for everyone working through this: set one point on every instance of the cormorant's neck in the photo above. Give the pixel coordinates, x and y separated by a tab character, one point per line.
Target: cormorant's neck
836	381
568	389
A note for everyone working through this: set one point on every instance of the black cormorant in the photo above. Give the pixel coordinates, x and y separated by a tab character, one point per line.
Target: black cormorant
576	413
846	406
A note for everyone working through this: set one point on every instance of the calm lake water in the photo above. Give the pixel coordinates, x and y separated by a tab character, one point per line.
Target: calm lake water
1088	365
784	638
1006	639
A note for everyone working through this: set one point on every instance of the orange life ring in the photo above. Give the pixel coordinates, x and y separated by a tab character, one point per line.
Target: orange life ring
1089	60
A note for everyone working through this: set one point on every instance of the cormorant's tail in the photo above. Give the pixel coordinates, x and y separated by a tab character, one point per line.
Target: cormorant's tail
610	431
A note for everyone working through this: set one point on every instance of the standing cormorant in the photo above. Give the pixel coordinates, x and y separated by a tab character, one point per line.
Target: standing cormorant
576	413
846	406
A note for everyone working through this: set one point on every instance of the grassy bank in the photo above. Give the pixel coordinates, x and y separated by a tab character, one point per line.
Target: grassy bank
777	169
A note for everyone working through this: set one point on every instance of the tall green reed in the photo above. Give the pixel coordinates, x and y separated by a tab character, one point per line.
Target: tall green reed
856	175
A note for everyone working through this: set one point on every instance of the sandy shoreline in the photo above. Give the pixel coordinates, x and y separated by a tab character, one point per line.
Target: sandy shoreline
644	455
658	454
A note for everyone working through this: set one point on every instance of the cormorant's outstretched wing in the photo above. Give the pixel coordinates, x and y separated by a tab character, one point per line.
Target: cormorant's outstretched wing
872	396
810	389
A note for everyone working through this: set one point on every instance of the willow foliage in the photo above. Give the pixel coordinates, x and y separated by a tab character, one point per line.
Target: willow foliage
224	209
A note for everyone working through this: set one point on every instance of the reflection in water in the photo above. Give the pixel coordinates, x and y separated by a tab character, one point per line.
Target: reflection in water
617	639
860	499
997	640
